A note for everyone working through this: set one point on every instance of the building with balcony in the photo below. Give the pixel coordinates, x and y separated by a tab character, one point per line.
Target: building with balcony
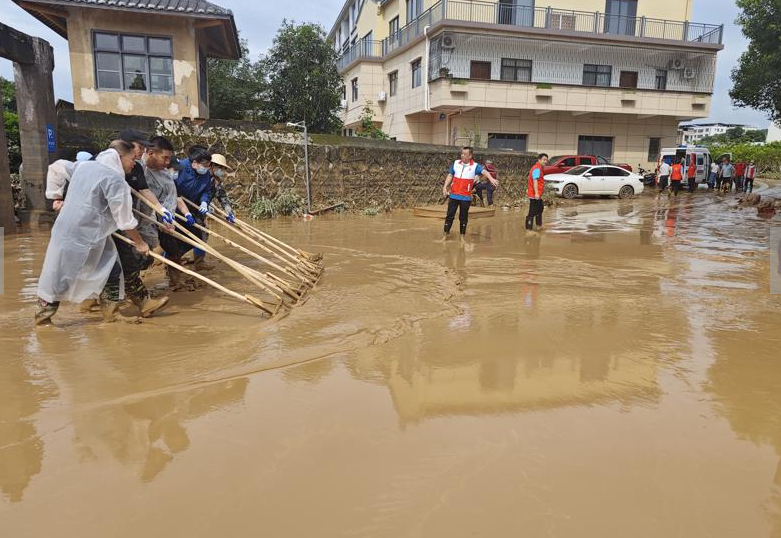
692	133
611	77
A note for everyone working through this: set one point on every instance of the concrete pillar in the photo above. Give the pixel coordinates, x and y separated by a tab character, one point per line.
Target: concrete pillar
7	221
37	121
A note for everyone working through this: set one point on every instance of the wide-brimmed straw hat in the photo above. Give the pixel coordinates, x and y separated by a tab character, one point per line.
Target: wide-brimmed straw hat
219	160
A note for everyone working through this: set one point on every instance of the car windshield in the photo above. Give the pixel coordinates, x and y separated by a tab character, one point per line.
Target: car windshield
578	170
554	160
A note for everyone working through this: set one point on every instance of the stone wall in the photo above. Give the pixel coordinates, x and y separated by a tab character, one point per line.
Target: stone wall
359	172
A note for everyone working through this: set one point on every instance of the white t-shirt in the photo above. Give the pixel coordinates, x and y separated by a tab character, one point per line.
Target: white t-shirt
664	169
714	168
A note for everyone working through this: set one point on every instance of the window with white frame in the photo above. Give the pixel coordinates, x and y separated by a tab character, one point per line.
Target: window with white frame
661	79
133	62
414	9
354	88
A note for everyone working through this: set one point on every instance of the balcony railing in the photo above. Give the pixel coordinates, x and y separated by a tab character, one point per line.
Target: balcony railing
586	22
363	49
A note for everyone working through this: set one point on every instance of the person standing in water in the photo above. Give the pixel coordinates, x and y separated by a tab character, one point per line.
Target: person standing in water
676	176
458	189
535	188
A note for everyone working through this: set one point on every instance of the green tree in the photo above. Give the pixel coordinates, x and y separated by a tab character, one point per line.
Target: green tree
756	78
367	127
303	81
11	122
235	87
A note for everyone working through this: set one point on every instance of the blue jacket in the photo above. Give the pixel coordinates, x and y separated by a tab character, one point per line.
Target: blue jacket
195	187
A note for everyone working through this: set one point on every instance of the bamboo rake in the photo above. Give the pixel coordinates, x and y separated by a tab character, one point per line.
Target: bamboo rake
255	278
197	242
254	301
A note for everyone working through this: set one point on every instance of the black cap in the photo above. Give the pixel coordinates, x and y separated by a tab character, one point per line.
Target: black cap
174	163
134	135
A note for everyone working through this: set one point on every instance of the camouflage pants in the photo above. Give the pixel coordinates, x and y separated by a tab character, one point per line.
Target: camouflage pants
132	264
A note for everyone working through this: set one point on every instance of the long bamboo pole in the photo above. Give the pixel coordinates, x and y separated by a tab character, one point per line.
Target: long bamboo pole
241	269
297	267
298	253
252	276
254	301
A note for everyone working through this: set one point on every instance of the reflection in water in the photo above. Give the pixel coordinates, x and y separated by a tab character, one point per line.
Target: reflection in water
149	433
23	390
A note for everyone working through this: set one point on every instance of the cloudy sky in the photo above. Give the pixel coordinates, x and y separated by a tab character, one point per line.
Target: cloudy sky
259	20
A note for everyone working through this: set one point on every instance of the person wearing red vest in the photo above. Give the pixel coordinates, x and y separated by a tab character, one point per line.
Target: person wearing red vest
751	171
676	176
458	188
535	185
691	172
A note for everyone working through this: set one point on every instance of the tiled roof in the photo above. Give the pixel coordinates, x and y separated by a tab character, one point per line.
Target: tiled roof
190	7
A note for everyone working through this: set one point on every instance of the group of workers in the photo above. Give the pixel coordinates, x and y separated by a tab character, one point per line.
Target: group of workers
721	176
467	177
135	188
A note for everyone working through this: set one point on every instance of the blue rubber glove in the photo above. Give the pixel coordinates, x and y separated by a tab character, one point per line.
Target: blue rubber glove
167	216
203	208
190	219
231	218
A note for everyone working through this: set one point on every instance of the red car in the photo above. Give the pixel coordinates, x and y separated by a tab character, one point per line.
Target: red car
563	163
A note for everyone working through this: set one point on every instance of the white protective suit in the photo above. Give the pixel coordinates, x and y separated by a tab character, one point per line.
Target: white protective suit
57	178
81	252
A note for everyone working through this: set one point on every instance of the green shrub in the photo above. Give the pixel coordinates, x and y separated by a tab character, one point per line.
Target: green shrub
371	211
263	208
549	197
286	203
767	157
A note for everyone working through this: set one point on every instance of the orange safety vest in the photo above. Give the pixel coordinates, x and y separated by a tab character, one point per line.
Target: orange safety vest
530	183
691	171
677	173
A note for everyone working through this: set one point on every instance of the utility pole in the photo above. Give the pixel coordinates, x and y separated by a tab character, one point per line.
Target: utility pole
302	125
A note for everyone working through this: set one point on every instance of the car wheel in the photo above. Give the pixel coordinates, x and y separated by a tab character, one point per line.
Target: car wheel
569	191
627	191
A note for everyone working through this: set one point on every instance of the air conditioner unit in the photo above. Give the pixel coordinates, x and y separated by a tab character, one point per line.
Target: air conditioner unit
688	73
343	103
381	97
448	42
677	63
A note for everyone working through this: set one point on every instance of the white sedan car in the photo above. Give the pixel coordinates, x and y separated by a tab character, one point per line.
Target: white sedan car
601	179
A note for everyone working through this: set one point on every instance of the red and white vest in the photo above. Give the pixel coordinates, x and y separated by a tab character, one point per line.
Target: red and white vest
463	178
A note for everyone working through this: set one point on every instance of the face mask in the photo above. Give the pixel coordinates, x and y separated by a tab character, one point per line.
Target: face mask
219	173
201	171
174	174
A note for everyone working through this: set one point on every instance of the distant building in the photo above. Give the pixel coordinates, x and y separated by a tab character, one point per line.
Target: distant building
692	133
138	57
609	78
773	133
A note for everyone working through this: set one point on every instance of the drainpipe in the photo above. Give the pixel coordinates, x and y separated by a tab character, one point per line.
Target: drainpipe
426	106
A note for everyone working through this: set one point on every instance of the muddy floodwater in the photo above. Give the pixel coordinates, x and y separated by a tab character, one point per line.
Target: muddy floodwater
617	375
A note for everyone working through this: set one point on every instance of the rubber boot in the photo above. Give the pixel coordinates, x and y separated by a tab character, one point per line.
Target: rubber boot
44	312
200	263
176	279
529	223
149	306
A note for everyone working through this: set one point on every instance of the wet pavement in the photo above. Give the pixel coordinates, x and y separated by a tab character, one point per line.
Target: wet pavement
618	374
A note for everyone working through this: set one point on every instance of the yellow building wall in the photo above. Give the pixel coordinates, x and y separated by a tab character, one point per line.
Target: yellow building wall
183	103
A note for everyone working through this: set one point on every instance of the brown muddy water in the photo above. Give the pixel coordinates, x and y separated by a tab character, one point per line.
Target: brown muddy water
618	375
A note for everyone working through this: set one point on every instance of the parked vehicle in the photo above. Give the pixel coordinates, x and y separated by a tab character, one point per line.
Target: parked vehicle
562	163
649	178
702	159
596	180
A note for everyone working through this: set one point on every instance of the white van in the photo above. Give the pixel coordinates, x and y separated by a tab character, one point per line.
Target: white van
702	159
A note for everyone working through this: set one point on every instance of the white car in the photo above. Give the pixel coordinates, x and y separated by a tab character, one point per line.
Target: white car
600	179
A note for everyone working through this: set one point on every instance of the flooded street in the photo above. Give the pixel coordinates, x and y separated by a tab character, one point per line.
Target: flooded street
618	374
